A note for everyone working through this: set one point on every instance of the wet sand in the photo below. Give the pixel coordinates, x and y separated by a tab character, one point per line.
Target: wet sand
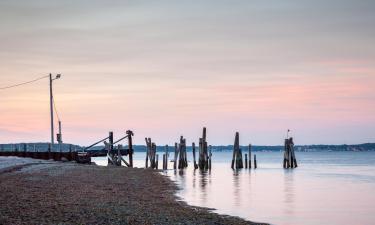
47	192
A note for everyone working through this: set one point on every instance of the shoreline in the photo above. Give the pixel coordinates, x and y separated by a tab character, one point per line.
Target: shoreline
47	192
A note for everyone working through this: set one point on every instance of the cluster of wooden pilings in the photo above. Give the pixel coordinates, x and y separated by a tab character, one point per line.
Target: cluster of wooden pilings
205	154
290	160
151	155
237	159
180	153
27	151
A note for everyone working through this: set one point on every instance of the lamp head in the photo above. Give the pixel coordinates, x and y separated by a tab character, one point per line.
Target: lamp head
58	76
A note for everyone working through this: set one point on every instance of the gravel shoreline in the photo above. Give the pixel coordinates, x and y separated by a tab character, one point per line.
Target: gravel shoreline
47	192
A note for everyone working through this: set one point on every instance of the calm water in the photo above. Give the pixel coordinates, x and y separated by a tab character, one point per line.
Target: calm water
327	188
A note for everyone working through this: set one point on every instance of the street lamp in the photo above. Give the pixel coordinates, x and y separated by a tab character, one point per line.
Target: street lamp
51	106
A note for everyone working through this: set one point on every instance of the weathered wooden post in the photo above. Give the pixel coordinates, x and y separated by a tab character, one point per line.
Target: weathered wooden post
293	155
163	161
289	155
249	156
245	161
209	159
110	148
203	153
237	161
289	150
154	164
147	151
255	161
175	155
130	145
195	162
166	156
157	161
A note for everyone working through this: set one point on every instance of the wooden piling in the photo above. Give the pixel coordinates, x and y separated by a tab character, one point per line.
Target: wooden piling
110	148
209	159
290	160
163	161
147	152
195	162
249	156
130	146
175	155
245	161
166	156
255	161
157	162
182	162
203	154
237	161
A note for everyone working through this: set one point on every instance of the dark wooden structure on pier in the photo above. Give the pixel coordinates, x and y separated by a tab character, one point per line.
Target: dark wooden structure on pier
31	151
115	154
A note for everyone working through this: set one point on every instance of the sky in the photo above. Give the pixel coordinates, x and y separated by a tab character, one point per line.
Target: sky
167	68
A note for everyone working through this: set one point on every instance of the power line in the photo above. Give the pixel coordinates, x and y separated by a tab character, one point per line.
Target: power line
54	106
24	83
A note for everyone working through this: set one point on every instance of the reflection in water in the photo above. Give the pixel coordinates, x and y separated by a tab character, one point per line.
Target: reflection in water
327	186
289	192
236	188
205	180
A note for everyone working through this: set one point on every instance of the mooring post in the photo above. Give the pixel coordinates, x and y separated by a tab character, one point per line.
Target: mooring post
249	156
130	145
163	162
255	161
240	157
285	161
181	155
245	161
153	145
185	154
157	161
203	154
234	151
175	155
166	157
195	162
209	155
293	156
147	151
110	148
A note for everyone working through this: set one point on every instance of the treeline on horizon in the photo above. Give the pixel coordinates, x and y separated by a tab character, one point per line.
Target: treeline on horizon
42	146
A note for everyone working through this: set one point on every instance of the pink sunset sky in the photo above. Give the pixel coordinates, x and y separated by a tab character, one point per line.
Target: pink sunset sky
168	68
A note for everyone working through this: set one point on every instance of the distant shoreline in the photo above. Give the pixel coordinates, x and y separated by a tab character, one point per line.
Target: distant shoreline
46	192
42	146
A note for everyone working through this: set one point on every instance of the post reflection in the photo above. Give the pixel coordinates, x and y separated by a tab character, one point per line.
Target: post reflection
289	192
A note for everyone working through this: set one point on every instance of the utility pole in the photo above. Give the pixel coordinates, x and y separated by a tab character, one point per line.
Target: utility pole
51	106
